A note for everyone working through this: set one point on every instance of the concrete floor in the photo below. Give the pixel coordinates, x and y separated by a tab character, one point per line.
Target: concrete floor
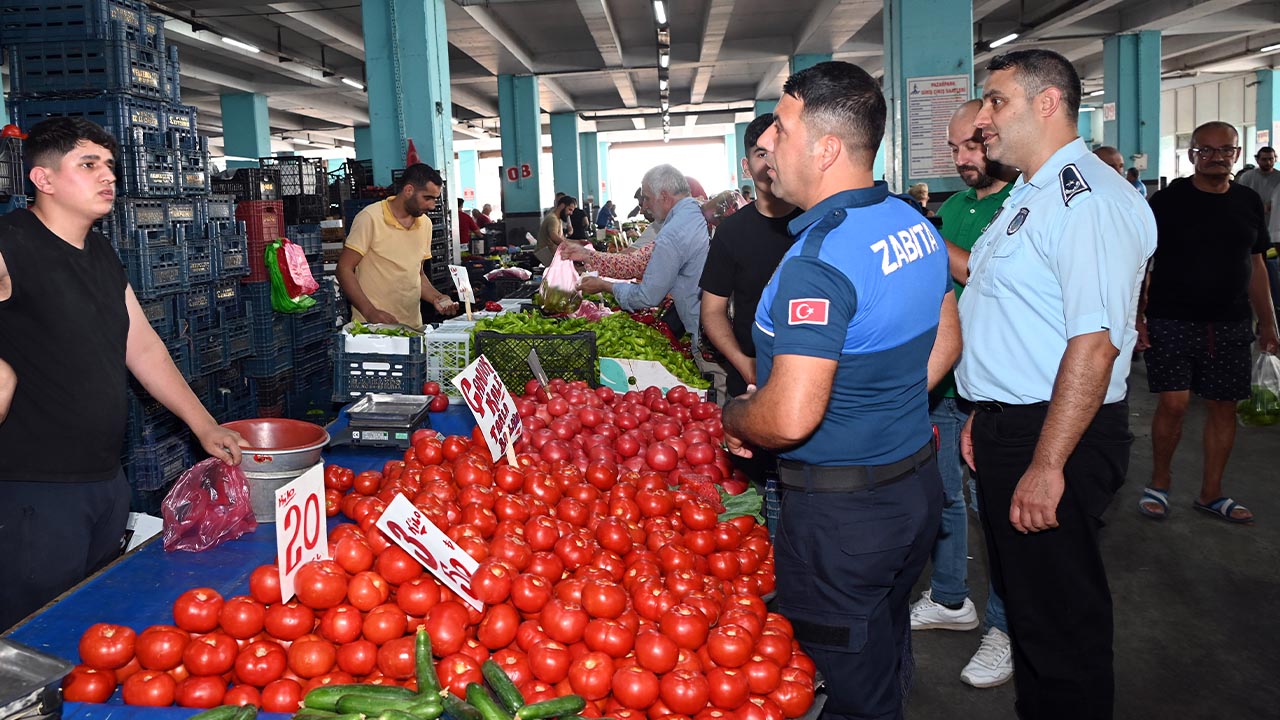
1197	600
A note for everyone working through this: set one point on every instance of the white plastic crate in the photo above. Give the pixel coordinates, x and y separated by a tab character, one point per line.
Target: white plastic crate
448	353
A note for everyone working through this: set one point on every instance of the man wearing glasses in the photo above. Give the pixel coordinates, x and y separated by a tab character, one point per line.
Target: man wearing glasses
380	269
1206	282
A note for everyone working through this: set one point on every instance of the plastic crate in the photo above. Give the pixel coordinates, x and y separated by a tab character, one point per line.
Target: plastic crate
172	81
248	184
504	286
233	398
571	357
227	299
180	352
200	264
310	327
219	207
162	314
12	177
308	236
181	119
272	389
147	171
197	300
311	399
300	209
238	336
59	67
210	351
9	203
298	175
149	420
312	360
154	465
230	255
355	375
132	120
447	353
264	222
43	20
270	333
351	208
155	271
193	172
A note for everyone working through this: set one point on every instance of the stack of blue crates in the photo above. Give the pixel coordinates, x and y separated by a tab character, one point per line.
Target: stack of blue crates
107	61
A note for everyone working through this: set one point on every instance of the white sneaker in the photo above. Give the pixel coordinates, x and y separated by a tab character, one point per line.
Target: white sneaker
992	665
929	615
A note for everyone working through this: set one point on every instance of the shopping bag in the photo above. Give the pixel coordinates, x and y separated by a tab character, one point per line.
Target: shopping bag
558	294
281	299
294	269
207	506
1263	405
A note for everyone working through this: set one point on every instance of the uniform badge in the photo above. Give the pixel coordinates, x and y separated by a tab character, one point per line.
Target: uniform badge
993	219
1072	182
808	311
1017	221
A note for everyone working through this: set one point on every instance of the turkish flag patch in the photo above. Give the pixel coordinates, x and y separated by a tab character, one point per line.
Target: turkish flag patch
808	311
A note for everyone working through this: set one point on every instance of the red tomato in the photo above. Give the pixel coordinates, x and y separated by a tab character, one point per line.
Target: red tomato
367	590
491	582
447	626
242	695
564	622
431	387
397	566
591	675
697	515
550	661
264	584
684	691
88	684
530	593
128	670
242	617
661	457
729	687
358	657
160	647
289	621
395	658
152	688
212	654
384	624
196	610
513	550
456	671
610	637
311	656
499	627
353	554
763	674
603	600
793	698
686	625
656	652
775	646
635	688
260	663
730	646
416	597
107	647
283	696
341	624
201	691
321	584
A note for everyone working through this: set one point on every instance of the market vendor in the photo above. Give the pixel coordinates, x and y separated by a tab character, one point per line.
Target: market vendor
71	332
551	232
679	251
380	268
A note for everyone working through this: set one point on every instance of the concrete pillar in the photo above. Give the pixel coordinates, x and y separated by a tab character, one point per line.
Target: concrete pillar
1267	119
800	62
928	74
589	154
606	190
407	71
521	144
364	142
1084	126
766	106
740	153
731	161
246	132
566	170
468	168
1131	72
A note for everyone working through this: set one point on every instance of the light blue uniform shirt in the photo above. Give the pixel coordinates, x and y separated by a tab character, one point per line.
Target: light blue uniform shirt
1065	256
675	268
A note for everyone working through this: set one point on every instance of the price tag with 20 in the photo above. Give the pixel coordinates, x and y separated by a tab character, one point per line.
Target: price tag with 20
301	535
412	531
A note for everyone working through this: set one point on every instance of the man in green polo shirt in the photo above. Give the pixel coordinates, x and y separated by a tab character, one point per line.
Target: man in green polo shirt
946	604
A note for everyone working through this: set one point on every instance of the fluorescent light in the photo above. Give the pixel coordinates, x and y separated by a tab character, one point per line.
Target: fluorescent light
665	106
353	83
1004	40
660	11
1096	93
242	45
1270	48
1088	109
662	84
664	59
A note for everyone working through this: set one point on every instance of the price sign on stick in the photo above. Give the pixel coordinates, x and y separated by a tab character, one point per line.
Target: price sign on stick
301	535
416	535
462	281
491	404
535	365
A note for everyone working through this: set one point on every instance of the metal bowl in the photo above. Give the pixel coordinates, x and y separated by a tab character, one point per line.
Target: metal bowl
279	445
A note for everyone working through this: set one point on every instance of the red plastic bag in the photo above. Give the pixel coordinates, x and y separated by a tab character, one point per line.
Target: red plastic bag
294	269
207	506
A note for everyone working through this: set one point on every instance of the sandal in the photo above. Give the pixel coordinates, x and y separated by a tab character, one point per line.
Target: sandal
1222	507
1157	496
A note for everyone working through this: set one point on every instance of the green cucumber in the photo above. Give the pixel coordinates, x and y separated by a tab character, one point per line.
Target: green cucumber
506	691
246	712
425	666
459	709
567	705
222	712
374	706
326	697
313	714
482	701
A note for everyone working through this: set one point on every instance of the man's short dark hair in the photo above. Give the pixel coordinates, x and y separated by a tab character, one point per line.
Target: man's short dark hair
419	176
1265	149
51	139
841	99
1214	125
565	200
1039	70
755	130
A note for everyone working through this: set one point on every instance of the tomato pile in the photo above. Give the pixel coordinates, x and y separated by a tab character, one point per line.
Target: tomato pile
605	571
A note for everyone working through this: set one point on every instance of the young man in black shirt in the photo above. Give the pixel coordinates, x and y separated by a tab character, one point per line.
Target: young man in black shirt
1195	319
746	249
71	330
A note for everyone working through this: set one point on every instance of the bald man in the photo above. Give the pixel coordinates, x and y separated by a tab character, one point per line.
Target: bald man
1112	157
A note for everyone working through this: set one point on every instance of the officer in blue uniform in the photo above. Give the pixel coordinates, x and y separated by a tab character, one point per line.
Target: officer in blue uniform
854	327
1048	320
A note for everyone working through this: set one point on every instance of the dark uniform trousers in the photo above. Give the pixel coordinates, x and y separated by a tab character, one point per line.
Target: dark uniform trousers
846	563
1053	582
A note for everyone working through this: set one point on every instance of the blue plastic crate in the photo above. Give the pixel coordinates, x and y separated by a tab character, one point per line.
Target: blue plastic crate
272	390
238	337
227	298
210	351
312	360
257	299
172	80
146	222
13	178
147	172
305	209
180	123
59	67
43	20
352	207
155	271
231	255
310	327
133	120
10	203
307	236
311	400
219	207
236	402
150	421
180	352
200	263
356	374
154	465
271	361
162	315
193	172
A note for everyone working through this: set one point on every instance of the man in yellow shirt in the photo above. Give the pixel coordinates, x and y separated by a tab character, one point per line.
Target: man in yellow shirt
380	269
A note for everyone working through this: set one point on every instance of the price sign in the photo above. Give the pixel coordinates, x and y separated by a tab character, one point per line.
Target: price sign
468	194
416	535
491	404
301	535
535	364
462	281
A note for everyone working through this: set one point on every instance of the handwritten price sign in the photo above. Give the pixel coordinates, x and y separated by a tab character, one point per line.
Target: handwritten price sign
300	526
491	404
462	281
414	533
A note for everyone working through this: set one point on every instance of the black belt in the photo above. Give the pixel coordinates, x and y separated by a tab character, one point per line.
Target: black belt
850	478
989	406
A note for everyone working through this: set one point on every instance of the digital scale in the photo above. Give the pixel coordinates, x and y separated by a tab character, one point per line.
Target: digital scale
384	421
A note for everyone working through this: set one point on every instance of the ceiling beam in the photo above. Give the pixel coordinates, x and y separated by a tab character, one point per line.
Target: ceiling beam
314	17
1165	14
599	20
211	42
770	86
1054	24
516	48
983	8
833	23
713	29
